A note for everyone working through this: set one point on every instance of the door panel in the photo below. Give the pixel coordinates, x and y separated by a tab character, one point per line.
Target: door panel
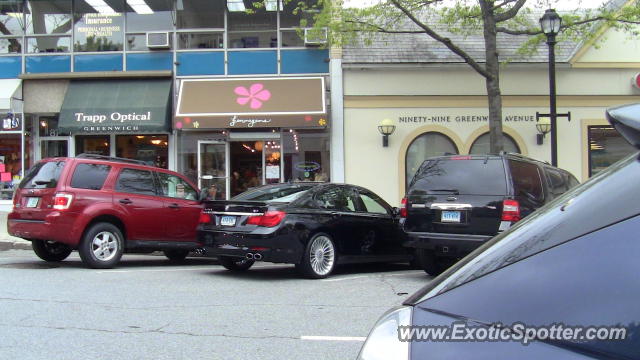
181	208
135	195
212	169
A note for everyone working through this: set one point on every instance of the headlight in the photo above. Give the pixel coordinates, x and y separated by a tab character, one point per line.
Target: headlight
383	341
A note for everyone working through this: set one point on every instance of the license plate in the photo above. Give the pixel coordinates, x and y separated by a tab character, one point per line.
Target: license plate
450	216
32	202
228	220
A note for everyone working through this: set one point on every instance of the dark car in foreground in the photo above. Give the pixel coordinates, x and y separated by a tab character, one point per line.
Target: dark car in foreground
314	226
103	206
572	264
456	203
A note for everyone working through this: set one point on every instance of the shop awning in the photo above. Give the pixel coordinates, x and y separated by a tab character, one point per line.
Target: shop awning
116	106
8	88
251	103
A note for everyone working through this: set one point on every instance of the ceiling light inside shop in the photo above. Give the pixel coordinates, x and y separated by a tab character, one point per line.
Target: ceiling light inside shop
271	5
156	141
140	7
235	5
101	6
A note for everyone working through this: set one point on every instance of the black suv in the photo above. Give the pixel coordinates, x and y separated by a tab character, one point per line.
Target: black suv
456	203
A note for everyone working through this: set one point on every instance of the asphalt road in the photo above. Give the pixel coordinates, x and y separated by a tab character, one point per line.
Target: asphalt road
148	308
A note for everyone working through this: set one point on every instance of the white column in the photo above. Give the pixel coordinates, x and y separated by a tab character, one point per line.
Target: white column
337	120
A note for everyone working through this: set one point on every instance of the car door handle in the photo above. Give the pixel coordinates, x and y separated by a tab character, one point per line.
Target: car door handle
125	201
174	206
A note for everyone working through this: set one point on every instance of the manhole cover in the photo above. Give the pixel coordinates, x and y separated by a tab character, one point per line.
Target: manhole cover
30	266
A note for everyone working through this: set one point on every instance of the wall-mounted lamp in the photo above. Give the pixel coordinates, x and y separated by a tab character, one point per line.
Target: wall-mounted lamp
386	128
543	125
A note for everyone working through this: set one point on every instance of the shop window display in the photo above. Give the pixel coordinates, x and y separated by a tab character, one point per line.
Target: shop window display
427	145
606	146
152	149
10	164
306	155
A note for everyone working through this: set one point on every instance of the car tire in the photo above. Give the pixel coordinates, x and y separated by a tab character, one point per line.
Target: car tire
429	262
102	246
235	264
50	251
176	255
319	258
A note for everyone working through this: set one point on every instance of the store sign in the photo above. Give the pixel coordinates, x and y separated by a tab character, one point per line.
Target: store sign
251	103
445	119
11	122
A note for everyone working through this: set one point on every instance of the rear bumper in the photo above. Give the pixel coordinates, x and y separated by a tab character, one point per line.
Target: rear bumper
276	248
453	245
56	226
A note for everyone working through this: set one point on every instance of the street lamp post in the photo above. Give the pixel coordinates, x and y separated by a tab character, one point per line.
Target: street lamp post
550	24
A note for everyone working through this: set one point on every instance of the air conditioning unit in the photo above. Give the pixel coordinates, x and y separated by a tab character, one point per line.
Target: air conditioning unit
315	37
158	40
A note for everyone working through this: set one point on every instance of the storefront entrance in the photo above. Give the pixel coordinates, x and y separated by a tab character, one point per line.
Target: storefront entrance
227	169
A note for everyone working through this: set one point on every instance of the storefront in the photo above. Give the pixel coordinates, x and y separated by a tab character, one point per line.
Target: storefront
239	133
12	139
127	118
441	108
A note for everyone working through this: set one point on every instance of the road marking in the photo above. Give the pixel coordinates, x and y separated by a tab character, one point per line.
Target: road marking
153	270
333	338
372	275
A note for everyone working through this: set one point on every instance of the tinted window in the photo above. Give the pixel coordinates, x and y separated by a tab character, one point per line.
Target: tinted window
526	179
558	181
373	204
336	198
173	186
136	182
43	175
468	176
284	193
90	176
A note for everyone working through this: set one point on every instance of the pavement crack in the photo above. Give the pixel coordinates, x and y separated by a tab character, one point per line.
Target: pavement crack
154	331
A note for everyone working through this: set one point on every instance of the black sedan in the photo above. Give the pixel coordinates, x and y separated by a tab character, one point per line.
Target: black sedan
314	226
562	284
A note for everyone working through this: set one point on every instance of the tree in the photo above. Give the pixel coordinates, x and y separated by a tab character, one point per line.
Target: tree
489	17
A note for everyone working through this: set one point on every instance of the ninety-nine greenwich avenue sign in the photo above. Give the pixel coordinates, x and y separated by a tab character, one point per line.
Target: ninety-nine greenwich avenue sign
439	119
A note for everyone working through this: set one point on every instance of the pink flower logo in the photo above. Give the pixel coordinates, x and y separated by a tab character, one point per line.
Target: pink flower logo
254	96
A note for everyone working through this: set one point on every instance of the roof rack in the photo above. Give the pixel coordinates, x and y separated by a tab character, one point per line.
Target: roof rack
110	158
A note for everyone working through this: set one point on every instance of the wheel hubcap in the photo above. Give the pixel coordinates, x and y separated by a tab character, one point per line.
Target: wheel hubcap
104	246
322	255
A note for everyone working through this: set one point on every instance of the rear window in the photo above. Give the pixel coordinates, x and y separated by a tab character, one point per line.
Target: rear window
90	176
468	176
42	175
283	193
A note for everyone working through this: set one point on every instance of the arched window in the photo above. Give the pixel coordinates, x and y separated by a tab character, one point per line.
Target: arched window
481	144
426	145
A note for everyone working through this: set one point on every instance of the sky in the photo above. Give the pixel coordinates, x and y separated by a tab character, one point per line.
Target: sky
556	4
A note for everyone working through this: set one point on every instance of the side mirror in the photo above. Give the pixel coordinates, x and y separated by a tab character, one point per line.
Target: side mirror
626	120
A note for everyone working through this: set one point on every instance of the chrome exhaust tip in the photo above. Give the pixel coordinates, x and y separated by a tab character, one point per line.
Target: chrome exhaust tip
249	256
257	257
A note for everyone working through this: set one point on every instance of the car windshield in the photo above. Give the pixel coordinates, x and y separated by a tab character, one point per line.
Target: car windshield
285	193
579	211
470	176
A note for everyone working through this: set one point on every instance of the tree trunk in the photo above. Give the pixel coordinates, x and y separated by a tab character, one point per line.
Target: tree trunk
494	97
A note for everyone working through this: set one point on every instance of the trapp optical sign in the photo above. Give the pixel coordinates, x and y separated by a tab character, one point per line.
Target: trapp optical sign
115	116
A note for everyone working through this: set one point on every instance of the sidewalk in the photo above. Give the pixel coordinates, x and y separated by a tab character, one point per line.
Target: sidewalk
8	242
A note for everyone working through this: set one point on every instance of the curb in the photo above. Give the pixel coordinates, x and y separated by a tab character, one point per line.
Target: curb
6	244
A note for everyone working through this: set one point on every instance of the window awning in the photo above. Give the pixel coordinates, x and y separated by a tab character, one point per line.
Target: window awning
116	106
8	88
251	103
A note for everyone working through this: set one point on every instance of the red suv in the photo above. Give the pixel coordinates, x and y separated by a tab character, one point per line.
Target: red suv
103	206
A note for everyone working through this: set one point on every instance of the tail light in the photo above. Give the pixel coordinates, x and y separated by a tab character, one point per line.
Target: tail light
269	219
62	201
510	210
403	208
204	218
